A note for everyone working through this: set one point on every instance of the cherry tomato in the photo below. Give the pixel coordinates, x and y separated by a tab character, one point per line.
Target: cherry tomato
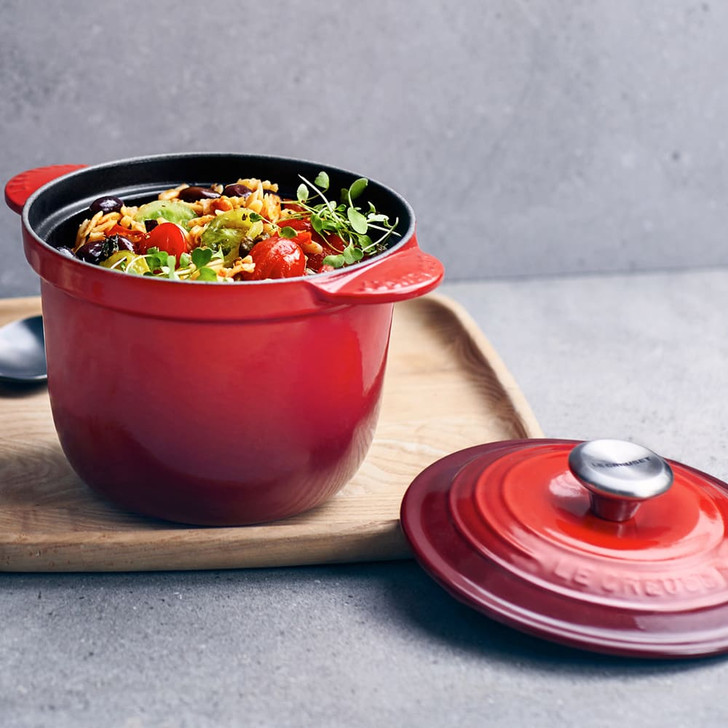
276	257
168	237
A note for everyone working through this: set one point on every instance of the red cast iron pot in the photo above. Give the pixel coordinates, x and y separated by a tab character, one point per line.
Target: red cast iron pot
210	403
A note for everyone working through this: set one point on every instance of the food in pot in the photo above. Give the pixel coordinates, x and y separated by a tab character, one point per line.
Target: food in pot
241	231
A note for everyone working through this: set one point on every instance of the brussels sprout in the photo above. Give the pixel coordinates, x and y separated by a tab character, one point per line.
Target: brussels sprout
232	232
168	209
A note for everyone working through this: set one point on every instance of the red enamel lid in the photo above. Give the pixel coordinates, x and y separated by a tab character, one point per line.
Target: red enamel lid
600	545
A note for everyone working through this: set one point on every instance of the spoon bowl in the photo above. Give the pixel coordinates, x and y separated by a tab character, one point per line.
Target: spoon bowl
22	351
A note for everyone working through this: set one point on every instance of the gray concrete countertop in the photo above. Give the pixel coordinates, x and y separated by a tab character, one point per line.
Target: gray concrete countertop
638	357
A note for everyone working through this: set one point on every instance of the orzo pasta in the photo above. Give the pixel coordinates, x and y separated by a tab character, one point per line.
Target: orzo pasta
242	231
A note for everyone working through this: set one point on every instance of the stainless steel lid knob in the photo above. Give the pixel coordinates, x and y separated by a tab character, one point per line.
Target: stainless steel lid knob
619	475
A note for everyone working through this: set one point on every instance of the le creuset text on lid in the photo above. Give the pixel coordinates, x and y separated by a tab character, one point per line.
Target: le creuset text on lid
602	545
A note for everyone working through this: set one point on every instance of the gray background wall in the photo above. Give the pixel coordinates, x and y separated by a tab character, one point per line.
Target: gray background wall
532	137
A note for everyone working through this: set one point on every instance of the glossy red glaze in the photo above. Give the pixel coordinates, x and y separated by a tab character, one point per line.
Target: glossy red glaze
23	185
212	421
506	528
205	403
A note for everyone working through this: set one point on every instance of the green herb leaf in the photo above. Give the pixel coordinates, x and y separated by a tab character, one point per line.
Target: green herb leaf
335	261
288	232
352	254
357	188
254	217
207	274
156	259
302	193
322	181
184	260
317	223
333	226
201	257
357	220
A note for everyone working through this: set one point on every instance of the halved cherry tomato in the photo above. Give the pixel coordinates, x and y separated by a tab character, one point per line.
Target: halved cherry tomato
303	238
276	257
305	234
133	235
332	245
296	223
304	225
292	206
168	237
335	242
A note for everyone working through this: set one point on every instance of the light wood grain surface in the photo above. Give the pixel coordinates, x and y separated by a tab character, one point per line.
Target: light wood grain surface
445	389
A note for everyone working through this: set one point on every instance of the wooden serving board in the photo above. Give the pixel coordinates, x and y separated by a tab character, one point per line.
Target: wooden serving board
445	389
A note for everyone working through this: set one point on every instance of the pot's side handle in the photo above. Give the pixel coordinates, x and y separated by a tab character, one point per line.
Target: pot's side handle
406	274
23	185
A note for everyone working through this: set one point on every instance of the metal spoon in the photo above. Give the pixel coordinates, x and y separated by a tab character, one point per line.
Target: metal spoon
22	351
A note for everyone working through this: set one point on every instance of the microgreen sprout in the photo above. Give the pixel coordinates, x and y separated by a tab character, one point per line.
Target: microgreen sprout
163	265
346	220
287	232
200	258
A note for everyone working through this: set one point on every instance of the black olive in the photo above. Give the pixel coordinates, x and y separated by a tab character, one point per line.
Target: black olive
237	190
192	194
149	225
106	204
122	243
97	250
